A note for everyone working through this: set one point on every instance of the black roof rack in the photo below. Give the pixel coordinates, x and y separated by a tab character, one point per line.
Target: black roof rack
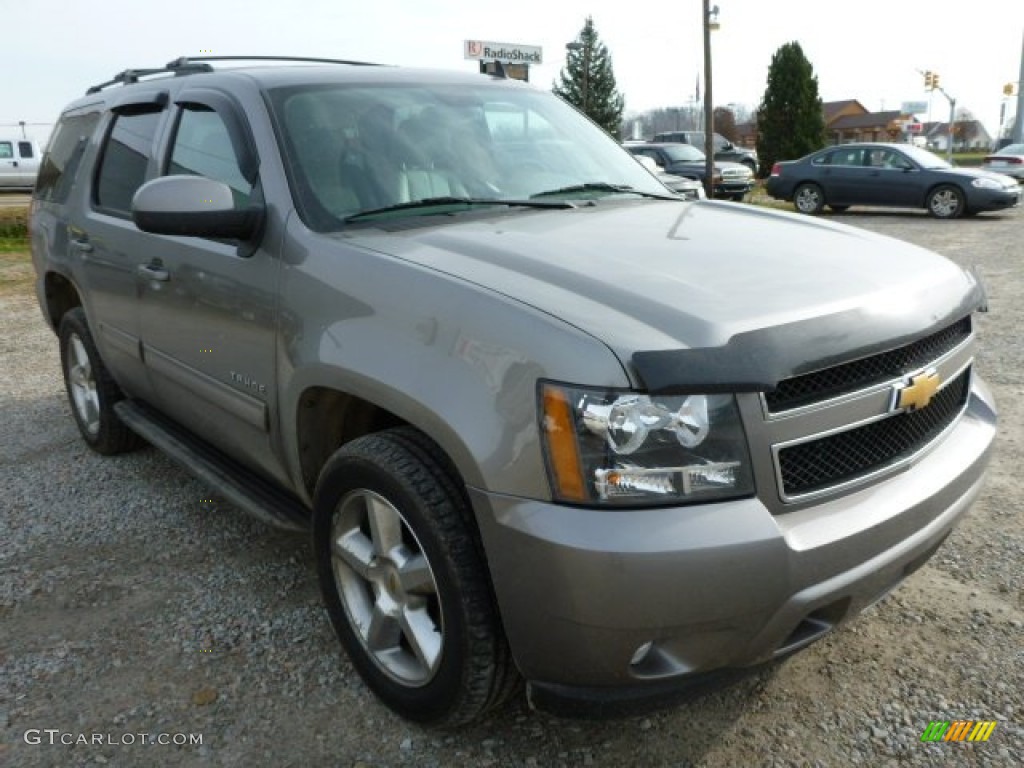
189	65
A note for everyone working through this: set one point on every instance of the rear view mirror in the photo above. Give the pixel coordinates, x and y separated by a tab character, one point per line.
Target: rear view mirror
193	206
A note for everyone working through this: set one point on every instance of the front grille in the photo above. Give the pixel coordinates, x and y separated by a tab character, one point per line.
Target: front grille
821	385
845	456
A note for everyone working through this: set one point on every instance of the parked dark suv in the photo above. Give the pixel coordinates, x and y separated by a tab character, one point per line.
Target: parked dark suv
540	418
723	148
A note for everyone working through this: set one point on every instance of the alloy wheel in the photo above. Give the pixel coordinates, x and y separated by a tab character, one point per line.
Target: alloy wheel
387	587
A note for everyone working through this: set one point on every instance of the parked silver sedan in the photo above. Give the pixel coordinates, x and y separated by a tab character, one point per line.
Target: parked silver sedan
1009	161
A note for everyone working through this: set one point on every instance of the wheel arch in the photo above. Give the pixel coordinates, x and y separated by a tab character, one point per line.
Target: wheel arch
326	417
59	296
936	185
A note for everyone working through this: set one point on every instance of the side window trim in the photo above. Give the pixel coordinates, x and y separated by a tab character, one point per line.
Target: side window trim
139	103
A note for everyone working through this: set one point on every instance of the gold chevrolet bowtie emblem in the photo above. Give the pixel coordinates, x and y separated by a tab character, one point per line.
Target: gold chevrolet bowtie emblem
919	392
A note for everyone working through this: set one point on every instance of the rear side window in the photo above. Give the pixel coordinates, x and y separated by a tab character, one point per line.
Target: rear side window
25	149
63	156
6	150
125	158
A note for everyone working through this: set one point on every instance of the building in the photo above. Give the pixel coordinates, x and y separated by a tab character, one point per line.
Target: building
967	135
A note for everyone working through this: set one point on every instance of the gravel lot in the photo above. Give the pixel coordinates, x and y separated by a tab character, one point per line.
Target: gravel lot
133	600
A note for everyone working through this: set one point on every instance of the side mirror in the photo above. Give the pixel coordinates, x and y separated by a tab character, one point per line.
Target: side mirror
193	206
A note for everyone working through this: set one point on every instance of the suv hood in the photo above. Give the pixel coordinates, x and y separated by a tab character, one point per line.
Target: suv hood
645	276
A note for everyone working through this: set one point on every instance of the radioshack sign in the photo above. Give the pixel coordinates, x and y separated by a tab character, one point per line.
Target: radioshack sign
506	53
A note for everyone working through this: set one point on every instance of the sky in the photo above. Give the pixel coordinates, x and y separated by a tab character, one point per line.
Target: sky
872	50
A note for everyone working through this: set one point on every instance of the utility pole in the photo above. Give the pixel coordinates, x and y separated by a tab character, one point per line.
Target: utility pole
709	117
931	82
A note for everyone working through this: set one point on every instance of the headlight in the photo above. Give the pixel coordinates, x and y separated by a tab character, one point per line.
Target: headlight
981	183
628	448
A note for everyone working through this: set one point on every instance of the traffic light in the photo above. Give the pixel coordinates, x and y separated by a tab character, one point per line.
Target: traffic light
1008	89
928	80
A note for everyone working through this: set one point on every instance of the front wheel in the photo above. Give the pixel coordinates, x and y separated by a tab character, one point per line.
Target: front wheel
809	198
404	581
91	389
946	202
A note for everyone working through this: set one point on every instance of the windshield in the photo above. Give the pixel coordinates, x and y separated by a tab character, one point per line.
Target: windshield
360	148
684	153
1012	149
923	157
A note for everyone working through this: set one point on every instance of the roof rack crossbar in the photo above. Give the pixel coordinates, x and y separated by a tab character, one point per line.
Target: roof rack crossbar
130	76
187	65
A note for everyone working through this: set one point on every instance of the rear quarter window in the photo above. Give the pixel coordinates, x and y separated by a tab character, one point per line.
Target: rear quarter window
63	156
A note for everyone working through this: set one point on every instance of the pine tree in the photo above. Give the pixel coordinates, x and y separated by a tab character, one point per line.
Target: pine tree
588	82
790	122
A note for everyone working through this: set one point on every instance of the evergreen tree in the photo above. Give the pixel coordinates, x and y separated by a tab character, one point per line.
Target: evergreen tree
588	83
790	122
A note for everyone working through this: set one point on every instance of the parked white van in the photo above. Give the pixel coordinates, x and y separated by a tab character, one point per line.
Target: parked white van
19	163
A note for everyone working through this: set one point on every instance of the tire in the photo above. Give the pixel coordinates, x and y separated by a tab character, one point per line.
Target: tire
404	580
92	391
809	198
839	208
946	202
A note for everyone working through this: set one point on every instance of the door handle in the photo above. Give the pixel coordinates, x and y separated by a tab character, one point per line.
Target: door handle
84	246
154	272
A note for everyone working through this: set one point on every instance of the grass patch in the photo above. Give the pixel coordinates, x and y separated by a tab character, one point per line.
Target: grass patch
13	244
14	223
16	272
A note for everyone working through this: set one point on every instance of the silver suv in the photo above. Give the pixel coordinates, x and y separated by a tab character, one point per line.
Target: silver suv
542	419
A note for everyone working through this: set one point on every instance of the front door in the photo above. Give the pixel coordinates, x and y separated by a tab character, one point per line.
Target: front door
208	308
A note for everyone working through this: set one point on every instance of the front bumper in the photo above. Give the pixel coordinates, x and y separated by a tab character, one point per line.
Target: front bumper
607	607
728	188
994	199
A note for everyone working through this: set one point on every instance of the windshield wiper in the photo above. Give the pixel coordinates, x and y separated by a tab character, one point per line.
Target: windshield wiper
441	202
601	186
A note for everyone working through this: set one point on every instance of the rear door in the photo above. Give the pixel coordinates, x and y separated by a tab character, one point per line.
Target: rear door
28	161
105	245
843	176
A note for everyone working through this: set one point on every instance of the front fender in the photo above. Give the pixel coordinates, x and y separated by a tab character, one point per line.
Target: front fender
458	361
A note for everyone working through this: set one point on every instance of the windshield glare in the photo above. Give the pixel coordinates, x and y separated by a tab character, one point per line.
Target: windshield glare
923	157
684	153
354	148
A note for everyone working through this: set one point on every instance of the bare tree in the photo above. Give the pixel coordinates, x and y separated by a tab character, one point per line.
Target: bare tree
725	123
